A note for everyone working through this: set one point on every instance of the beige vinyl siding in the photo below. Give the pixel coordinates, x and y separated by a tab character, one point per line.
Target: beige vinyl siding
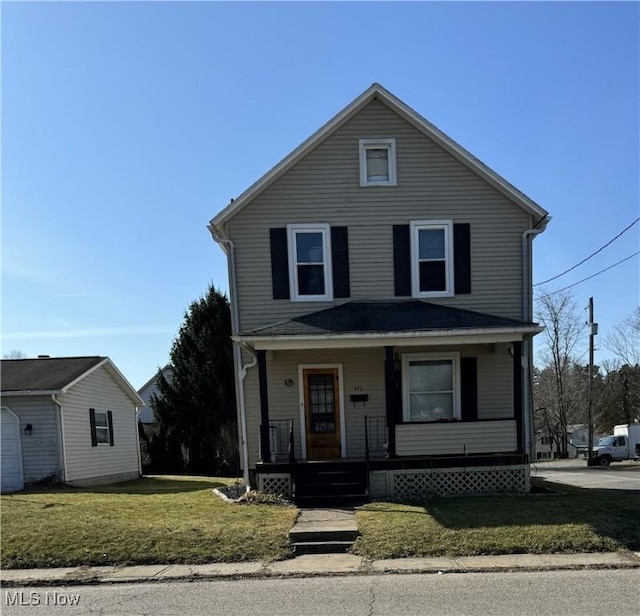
364	368
456	438
100	391
432	185
41	454
361	368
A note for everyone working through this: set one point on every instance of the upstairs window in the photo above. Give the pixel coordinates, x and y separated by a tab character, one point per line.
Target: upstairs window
310	262
432	258
377	162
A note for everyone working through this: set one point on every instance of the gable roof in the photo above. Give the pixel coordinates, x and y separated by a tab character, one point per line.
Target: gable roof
55	375
167	370
376	91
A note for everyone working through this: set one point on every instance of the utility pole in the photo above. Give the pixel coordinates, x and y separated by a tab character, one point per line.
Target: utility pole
593	330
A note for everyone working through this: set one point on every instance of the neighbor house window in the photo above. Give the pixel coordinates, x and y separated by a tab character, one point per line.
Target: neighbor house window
431	387
377	162
310	262
101	423
432	258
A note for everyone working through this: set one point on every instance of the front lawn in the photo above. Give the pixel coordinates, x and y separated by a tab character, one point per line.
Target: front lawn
572	520
151	520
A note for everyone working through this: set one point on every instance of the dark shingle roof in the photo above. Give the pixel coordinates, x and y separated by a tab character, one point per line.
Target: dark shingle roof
382	317
43	374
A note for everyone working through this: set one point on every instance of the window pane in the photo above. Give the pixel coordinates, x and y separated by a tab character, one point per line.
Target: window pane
377	164
427	376
431	244
430	407
433	276
101	420
311	279
309	248
102	435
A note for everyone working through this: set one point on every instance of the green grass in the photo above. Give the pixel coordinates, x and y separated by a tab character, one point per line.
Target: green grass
151	520
573	520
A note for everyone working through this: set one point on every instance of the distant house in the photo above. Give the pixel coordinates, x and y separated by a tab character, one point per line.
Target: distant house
70	419
578	442
146	415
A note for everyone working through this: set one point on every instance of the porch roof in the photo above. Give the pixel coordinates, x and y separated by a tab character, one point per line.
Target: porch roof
410	322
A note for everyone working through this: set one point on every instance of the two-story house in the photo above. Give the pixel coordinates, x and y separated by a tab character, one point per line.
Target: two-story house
380	281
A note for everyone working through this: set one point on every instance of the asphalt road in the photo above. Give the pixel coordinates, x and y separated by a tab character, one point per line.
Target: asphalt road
618	476
492	594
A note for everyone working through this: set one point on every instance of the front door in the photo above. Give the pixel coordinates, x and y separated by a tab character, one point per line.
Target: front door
322	412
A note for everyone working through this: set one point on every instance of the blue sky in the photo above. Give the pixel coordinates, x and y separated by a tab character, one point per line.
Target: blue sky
127	126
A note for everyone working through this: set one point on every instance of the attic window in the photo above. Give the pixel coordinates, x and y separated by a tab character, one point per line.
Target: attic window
377	162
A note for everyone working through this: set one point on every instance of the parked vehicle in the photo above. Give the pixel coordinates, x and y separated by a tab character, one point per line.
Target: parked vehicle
623	444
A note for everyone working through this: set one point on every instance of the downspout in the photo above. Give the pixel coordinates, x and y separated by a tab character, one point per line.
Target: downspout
527	314
62	456
240	370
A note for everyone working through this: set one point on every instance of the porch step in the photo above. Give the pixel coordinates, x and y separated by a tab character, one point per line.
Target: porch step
335	482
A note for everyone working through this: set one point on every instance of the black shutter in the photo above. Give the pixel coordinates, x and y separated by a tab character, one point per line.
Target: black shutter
110	423
469	388
462	258
340	261
279	263
401	260
92	423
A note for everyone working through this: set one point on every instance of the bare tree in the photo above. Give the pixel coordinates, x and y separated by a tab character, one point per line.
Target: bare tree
563	400
15	354
624	340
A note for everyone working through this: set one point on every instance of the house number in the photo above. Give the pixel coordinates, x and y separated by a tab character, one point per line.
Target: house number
357	388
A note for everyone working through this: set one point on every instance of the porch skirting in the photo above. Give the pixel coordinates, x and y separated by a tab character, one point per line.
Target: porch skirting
420	483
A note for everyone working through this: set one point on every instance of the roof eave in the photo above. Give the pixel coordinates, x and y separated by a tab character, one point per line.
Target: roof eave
376	339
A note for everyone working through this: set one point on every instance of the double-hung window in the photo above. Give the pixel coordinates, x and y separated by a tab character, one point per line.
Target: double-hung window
432	258
377	162
310	262
431	387
102	427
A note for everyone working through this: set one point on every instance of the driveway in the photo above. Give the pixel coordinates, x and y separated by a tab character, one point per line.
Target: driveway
618	476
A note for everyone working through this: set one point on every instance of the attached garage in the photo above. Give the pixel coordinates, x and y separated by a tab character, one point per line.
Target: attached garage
10	452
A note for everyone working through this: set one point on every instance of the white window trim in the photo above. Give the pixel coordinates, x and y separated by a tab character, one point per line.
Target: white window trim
409	357
292	230
416	226
390	145
105	427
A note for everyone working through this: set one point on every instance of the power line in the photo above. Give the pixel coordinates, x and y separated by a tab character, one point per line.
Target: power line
606	269
593	254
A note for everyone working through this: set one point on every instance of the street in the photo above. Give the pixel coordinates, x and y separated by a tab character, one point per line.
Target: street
618	476
494	594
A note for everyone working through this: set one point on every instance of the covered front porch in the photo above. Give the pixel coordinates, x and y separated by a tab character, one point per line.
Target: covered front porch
434	399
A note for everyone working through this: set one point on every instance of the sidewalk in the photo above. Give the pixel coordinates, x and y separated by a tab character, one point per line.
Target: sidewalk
317	565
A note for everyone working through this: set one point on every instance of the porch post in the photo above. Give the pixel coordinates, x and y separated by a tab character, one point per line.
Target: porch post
265	444
390	399
518	414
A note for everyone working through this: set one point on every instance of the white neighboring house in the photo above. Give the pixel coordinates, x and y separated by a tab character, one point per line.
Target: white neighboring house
145	413
577	435
71	419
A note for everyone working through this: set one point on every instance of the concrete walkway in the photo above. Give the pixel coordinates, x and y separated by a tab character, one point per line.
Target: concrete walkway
317	565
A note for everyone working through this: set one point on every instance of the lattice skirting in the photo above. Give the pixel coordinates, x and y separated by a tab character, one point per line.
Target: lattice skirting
424	483
275	483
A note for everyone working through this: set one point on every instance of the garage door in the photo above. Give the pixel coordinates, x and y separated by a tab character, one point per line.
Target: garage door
10	452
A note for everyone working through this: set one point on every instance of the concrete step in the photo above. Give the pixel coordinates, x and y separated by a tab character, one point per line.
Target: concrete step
330	489
319	534
321	547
